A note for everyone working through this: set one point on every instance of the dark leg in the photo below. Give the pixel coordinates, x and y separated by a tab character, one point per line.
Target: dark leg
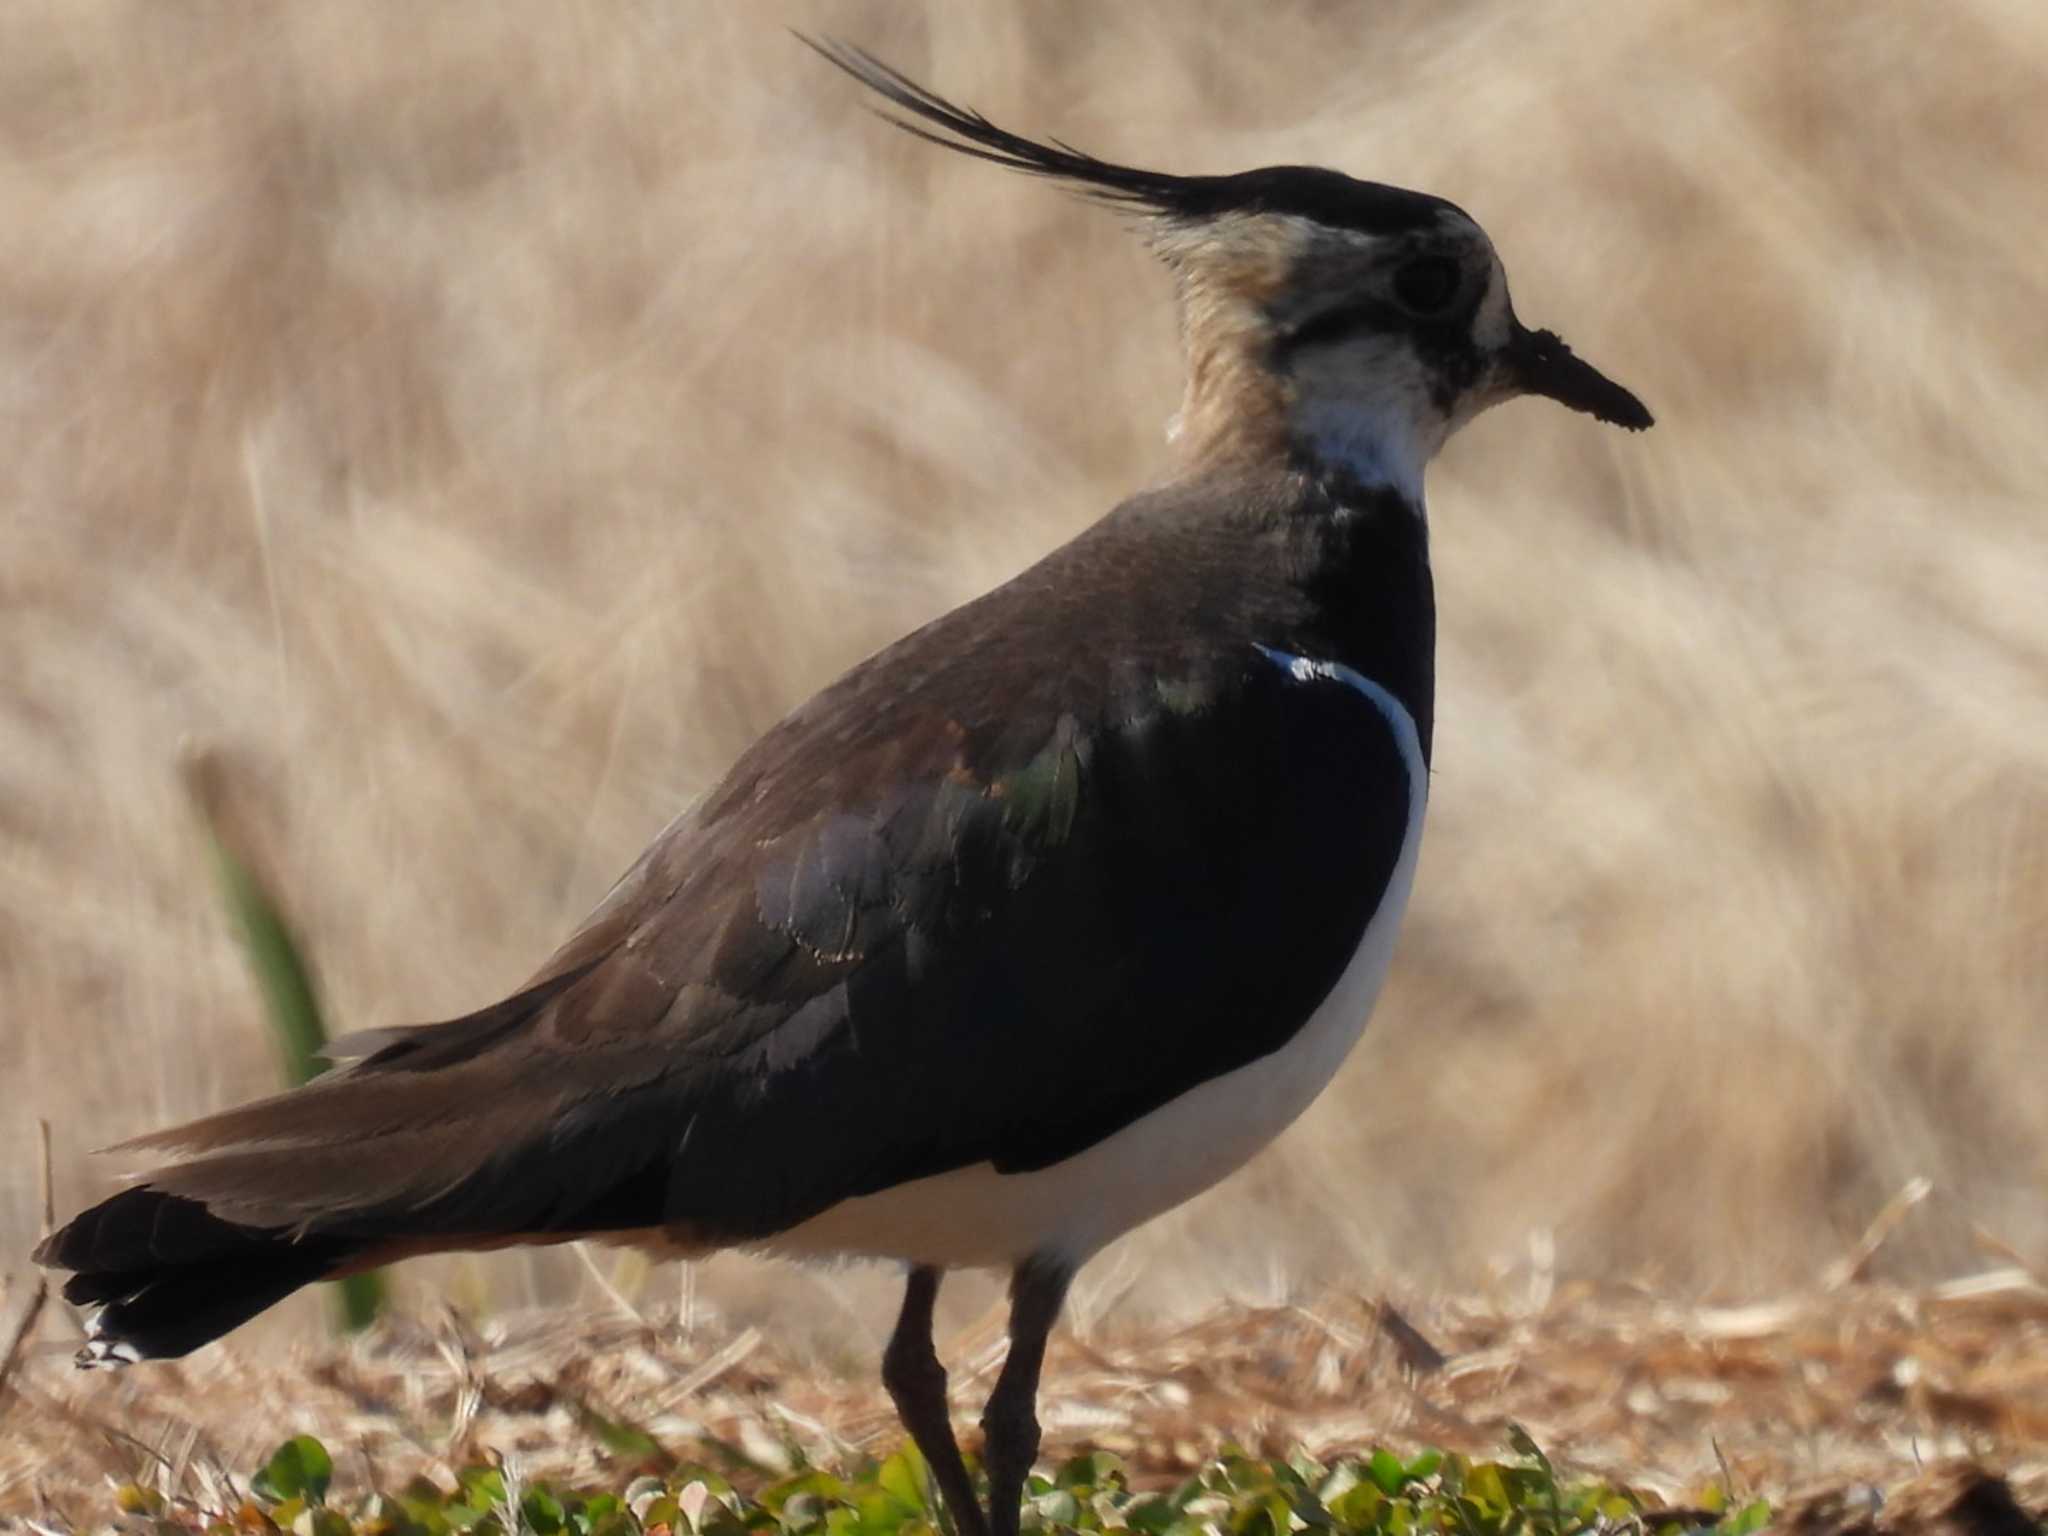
1010	1421
917	1385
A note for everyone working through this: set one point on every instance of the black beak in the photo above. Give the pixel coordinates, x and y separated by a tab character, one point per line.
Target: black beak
1542	364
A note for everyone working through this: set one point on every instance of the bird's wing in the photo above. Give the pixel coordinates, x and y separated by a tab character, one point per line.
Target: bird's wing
1007	886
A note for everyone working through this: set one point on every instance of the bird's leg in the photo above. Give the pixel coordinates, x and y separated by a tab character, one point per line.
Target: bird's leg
1010	1421
917	1385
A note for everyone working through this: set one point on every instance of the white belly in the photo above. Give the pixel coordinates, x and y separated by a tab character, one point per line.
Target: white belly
976	1216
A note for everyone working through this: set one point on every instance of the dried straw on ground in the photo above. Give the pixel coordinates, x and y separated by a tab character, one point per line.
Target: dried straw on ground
1833	1399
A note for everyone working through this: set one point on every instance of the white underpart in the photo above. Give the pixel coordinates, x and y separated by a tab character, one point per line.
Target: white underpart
979	1217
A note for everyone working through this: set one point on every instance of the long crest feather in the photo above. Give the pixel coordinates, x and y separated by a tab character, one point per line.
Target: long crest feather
1310	192
967	132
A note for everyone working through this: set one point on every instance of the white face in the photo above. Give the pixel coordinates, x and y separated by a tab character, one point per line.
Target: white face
1362	406
1390	344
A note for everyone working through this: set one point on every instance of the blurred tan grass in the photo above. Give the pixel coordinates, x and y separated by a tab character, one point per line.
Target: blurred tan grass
480	420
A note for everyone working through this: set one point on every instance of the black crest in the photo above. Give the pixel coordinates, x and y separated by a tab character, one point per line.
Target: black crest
1310	192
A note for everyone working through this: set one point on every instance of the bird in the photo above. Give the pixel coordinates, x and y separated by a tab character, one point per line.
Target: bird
1028	928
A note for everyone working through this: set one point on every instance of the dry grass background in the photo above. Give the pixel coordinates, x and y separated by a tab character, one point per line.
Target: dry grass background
476	421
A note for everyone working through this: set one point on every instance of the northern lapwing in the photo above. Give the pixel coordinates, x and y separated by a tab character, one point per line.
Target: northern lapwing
1028	928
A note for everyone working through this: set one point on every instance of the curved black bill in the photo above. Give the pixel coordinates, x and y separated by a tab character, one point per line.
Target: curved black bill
1543	365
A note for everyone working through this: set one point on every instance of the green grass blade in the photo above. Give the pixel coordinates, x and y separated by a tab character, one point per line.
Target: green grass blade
290	1002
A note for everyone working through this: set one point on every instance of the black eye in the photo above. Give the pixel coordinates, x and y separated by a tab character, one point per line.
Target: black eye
1427	285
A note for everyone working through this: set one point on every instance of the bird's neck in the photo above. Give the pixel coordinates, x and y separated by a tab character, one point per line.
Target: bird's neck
1361	431
1233	414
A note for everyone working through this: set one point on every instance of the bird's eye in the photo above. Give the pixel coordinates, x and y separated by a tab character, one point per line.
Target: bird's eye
1427	285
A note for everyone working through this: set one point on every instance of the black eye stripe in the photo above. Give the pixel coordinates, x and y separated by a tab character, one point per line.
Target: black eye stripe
1439	298
1337	322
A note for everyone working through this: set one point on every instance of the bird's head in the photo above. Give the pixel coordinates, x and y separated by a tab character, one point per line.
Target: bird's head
1340	323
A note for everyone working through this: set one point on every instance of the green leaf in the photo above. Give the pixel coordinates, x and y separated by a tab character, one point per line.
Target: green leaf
1310	1510
902	1477
1151	1514
482	1487
1341	1480
1095	1469
1360	1506
1486	1488
1424	1466
540	1511
1753	1516
1058	1507
1432	1494
1386	1470
1473	1518
298	1469
806	1500
1615	1507
426	1513
621	1437
134	1499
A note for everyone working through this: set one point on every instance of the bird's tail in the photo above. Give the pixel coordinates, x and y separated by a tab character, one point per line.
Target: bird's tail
167	1276
417	1149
